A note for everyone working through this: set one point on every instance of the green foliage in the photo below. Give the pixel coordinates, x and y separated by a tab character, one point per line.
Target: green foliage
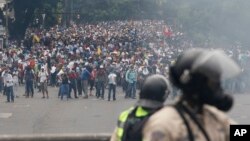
202	20
99	10
26	12
51	9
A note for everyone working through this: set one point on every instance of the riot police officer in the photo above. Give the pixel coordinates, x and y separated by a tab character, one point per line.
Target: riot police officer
199	114
154	92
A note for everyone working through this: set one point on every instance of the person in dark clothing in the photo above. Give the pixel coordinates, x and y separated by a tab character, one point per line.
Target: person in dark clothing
79	81
64	89
29	78
49	62
53	78
100	81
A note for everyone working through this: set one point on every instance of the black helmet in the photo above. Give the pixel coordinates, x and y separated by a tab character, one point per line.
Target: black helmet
195	66
181	66
154	91
198	73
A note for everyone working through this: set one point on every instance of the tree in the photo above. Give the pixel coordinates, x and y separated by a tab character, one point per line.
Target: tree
24	15
217	21
24	11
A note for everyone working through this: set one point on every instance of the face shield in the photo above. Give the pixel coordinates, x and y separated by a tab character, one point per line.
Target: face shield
216	65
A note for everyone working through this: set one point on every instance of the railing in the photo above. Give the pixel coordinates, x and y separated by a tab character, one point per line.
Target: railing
56	137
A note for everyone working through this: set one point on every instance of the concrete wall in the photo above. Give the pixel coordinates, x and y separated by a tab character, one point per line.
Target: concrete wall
56	137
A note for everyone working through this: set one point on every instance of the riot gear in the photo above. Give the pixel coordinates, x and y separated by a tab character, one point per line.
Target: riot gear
197	115
156	88
199	73
152	96
179	71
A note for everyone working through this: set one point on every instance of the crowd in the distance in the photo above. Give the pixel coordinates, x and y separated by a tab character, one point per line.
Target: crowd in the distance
82	57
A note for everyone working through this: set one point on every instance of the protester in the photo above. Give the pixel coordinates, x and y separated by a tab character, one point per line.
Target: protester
100	78
112	44
43	77
64	88
112	84
29	80
9	86
131	78
86	73
73	83
15	83
92	81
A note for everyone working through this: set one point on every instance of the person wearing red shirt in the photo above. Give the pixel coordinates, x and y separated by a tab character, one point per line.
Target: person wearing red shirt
92	80
72	78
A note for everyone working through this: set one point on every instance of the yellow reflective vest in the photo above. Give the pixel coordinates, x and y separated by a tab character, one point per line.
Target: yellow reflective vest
140	112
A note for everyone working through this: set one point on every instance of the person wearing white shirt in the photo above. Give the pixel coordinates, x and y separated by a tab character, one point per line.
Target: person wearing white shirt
4	75
43	75
15	81
112	84
9	86
53	76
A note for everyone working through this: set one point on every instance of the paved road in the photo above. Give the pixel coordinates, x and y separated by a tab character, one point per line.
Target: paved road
37	115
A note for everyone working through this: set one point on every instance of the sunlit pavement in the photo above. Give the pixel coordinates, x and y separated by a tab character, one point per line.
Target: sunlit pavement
37	115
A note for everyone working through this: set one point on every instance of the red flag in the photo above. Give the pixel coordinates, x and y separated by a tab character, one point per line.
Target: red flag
167	32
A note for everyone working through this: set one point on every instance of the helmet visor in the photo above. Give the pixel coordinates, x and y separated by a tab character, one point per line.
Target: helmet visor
216	65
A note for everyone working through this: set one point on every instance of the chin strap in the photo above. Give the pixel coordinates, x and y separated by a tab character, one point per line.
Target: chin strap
181	110
190	133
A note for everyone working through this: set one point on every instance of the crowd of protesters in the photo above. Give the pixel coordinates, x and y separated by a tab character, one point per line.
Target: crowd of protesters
81	58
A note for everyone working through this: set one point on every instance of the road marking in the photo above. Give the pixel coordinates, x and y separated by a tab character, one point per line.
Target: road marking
5	115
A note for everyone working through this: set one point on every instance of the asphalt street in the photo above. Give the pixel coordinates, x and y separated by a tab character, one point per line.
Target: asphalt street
49	116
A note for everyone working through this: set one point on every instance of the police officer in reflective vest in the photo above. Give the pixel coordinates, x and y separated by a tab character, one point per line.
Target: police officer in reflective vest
154	92
199	114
